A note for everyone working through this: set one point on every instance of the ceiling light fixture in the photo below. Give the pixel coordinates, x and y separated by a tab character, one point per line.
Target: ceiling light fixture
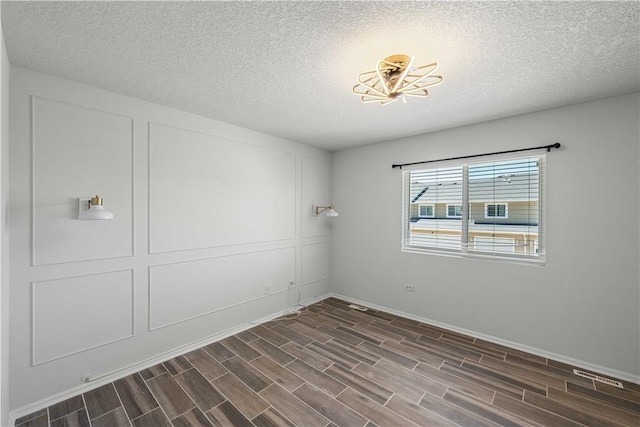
394	78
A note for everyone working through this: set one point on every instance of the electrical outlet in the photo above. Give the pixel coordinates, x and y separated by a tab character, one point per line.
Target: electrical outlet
409	287
267	290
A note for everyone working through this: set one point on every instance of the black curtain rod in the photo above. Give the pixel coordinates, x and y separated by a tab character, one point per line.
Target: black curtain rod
548	147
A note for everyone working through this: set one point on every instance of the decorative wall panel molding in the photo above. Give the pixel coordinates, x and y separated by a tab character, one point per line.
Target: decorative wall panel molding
79	152
206	191
315	262
186	290
75	314
315	191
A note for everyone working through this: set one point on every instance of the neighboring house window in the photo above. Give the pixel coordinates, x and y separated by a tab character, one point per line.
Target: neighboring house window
425	211
499	203
454	211
496	210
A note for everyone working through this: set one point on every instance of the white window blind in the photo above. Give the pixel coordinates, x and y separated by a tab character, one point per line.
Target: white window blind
482	208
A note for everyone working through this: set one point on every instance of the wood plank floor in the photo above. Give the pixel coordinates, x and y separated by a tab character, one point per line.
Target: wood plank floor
335	366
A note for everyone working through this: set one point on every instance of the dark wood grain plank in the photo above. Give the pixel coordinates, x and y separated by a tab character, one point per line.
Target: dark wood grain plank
153	371
481	380
170	395
101	400
271	351
388	354
455	348
531	413
622	404
319	379
155	418
371	409
567	411
361	335
593	407
330	408
485	410
398	331
199	389
240	348
341	336
307	320
247	374
74	419
269	336
36	414
454	382
417	413
401	387
353	352
219	351
177	365
272	418
246	336
505	377
334	355
538	377
30	420
242	397
414	353
623	393
308	332
135	395
381	334
115	418
415	327
310	357
205	364
66	407
226	414
192	418
291	407
280	375
410	377
292	335
454	413
359	383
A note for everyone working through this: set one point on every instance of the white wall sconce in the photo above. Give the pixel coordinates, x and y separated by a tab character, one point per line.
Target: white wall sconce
330	210
91	208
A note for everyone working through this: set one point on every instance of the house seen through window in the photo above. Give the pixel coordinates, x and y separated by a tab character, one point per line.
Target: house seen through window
487	208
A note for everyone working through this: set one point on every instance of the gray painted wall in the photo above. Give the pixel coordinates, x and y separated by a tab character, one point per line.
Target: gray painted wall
583	304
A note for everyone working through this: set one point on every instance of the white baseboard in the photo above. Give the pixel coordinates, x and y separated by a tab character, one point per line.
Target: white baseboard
128	370
625	376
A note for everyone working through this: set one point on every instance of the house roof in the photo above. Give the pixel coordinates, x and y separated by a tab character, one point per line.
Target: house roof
505	187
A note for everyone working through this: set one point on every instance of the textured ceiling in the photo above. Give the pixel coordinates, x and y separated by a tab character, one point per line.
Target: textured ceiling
287	68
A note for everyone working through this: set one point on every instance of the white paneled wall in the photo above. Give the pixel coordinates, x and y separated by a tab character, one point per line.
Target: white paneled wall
245	193
212	224
213	284
75	151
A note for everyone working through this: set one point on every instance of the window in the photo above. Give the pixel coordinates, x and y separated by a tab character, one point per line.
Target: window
496	210
498	205
454	211
425	211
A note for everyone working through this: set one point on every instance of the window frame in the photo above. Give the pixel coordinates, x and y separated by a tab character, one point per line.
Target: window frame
464	252
433	210
506	210
452	205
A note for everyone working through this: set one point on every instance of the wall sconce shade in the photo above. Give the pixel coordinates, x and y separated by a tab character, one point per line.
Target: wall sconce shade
95	210
330	210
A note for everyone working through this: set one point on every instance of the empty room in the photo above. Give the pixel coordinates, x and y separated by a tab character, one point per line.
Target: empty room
320	213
